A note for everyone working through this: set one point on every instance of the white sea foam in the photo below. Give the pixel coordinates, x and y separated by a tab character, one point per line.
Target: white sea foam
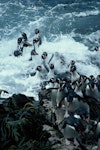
87	13
13	70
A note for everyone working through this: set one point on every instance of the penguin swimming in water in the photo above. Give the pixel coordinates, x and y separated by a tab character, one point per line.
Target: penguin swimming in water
40	73
36	40
36	43
20	46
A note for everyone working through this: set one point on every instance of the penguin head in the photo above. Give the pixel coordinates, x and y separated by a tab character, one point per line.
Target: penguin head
44	55
36	31
92	77
39	68
72	62
19	40
96	48
58	80
98	78
51	66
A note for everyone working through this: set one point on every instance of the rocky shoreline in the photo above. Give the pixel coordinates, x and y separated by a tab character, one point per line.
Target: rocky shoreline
27	124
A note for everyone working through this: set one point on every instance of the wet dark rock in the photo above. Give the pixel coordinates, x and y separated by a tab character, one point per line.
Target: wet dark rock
21	125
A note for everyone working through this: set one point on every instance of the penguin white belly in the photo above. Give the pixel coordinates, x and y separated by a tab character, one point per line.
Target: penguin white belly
74	76
79	91
59	114
74	105
69	132
95	93
60	96
53	98
36	46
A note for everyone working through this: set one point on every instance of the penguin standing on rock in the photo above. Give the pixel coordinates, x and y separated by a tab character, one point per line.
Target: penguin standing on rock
71	127
72	101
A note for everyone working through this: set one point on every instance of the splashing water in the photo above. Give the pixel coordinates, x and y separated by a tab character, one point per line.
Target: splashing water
71	29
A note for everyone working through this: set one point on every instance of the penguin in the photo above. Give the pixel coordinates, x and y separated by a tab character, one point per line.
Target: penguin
78	88
84	82
51	71
37	41
25	40
98	135
56	97
20	46
40	72
70	127
72	100
72	63
53	87
80	85
74	74
60	94
75	103
91	89
4	91
71	107
98	82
